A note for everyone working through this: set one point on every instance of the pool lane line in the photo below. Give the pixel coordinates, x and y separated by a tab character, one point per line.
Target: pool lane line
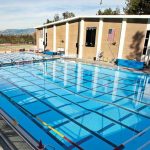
100	114
41	121
66	116
94	97
79	105
98	91
55	109
58	133
106	85
58	65
122	146
107	117
33	120
98	100
83	79
85	74
110	80
97	87
144	145
117	122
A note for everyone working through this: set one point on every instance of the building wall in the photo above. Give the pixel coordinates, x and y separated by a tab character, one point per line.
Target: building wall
49	38
90	52
133	42
134	39
60	36
109	50
73	37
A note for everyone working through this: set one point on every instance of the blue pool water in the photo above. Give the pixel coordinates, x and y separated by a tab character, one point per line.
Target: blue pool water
95	107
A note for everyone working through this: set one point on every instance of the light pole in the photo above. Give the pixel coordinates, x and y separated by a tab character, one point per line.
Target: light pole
101	2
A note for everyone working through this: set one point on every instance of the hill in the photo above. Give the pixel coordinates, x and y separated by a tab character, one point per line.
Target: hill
17	31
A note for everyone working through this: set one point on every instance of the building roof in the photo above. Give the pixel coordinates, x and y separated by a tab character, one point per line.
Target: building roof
96	17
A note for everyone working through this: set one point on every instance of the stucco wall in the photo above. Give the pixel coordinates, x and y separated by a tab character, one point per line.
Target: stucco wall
109	50
60	36
73	37
90	52
134	38
49	38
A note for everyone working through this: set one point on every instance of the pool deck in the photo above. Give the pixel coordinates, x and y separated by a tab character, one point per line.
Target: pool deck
9	139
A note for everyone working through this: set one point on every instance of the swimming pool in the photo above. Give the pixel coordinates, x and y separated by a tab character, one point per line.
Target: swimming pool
72	105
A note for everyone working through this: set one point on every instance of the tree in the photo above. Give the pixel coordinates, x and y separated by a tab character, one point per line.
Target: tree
109	11
134	7
99	12
116	11
56	17
18	39
67	15
48	21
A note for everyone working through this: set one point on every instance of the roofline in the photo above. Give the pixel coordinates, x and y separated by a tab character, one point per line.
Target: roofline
95	17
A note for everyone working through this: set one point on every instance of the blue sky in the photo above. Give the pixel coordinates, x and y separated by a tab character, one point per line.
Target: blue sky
31	13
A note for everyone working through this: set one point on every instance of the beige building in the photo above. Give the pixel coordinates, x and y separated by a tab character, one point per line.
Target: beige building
109	36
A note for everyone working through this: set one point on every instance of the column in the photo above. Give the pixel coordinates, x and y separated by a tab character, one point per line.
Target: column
54	38
81	36
122	38
99	40
67	39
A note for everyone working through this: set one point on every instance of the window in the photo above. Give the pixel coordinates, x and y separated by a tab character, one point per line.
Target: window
146	42
90	37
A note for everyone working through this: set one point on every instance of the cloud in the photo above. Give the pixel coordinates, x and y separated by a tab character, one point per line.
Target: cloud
30	13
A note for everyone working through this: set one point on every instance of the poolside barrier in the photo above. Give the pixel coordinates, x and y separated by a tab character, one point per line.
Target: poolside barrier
130	64
18	129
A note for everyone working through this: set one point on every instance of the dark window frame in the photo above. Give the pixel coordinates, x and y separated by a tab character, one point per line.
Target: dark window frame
90	37
146	42
46	40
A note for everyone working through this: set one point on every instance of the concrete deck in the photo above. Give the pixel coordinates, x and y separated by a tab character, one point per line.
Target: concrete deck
9	139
